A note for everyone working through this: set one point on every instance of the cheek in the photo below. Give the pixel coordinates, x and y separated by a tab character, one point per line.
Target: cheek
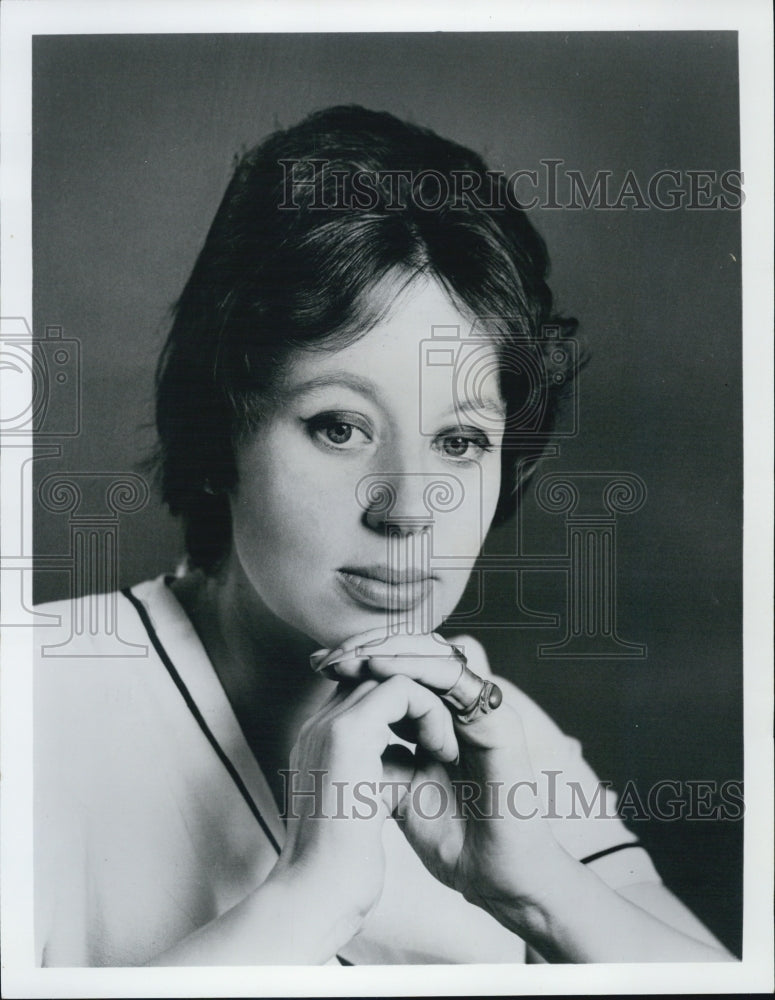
287	514
482	499
461	533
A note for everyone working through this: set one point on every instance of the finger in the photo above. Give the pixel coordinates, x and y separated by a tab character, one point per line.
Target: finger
400	698
344	696
500	729
428	774
494	750
396	639
321	658
428	659
356	668
339	691
438	671
349	694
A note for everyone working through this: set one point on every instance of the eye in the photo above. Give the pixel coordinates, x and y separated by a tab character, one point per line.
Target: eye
463	443
339	431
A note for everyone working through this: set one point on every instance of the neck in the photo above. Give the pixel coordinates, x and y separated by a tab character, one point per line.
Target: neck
262	663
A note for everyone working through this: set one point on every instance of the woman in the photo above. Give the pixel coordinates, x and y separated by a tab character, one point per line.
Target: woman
301	770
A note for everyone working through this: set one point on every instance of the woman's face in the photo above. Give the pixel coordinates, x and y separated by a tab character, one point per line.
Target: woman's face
366	493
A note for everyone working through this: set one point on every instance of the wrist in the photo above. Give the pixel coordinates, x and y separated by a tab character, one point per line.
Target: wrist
311	906
536	893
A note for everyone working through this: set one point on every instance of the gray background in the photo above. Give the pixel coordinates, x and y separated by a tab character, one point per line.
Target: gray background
134	139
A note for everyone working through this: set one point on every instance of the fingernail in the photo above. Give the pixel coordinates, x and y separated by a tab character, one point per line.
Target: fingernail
318	658
333	656
342	658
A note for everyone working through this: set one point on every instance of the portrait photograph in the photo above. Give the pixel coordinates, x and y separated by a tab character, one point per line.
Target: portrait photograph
387	499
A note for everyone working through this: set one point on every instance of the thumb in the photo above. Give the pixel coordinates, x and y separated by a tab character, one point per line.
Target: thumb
429	820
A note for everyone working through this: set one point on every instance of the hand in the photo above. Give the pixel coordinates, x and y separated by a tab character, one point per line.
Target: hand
495	851
334	838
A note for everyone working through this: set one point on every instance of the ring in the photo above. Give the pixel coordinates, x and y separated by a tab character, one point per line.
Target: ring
471	696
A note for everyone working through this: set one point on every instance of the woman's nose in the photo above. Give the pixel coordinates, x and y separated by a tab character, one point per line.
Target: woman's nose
407	502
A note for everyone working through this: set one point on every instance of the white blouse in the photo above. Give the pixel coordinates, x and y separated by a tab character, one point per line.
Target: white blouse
151	822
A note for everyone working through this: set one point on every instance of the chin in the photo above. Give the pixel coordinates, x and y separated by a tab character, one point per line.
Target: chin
329	623
416	621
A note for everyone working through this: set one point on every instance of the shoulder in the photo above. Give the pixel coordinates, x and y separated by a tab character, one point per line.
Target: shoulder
98	683
101	623
89	649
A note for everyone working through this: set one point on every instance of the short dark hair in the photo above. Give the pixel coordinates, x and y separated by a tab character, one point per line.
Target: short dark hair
311	222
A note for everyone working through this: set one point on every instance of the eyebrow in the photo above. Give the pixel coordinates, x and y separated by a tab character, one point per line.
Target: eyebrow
367	388
493	406
338	378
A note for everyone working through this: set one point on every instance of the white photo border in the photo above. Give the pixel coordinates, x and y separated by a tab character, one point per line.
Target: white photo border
23	19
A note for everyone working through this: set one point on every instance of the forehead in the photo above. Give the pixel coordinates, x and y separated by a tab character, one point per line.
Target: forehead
420	341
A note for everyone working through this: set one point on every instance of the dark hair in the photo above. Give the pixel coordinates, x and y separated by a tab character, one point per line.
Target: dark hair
314	218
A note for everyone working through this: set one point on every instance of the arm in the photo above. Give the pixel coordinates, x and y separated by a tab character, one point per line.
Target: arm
286	921
511	865
515	870
330	873
656	899
576	917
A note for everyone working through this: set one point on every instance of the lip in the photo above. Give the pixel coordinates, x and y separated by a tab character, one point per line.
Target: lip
388	574
380	589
